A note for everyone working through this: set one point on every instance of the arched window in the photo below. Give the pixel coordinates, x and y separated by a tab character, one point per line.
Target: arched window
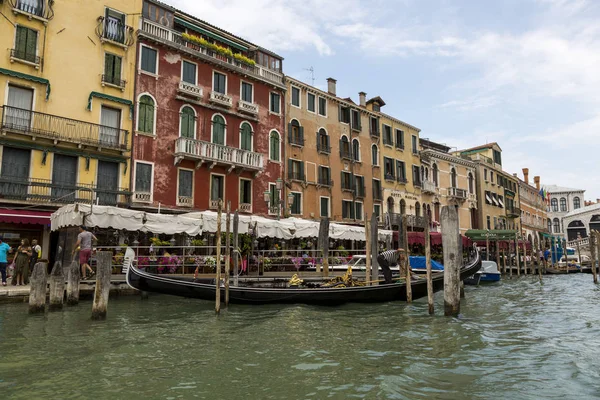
375	154
345	148
556	225
563	204
355	150
274	146
145	122
453	177
576	203
218	130
323	145
402	207
187	122
435	175
246	137
426	174
471	183
554	204
417	209
549	225
296	133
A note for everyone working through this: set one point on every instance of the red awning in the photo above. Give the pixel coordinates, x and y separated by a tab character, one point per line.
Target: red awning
435	238
25	217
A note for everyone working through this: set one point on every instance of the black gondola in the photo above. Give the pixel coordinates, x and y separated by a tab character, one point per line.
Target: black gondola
188	287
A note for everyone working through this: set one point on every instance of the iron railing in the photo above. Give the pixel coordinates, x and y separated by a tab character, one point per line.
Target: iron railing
296	140
25	56
115	31
296	175
63	129
325	181
346	154
389	177
402	179
113	80
323	148
39	8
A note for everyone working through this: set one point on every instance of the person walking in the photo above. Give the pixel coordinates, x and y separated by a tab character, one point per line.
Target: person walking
4	250
388	259
84	245
21	274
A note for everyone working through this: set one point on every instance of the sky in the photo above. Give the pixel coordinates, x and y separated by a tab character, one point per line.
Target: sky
522	73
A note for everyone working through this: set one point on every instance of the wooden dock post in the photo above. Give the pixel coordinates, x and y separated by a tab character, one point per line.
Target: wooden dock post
540	264
524	258
236	248
218	263
487	245
497	244
37	291
510	271
374	249
504	262
103	272
368	250
227	251
452	260
57	287
406	259
564	244
518	255
73	284
428	266
593	240
578	249
324	244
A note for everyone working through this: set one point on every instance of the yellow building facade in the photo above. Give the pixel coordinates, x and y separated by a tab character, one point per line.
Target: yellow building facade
66	86
534	216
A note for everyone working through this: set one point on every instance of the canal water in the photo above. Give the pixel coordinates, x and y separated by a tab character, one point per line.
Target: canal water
514	340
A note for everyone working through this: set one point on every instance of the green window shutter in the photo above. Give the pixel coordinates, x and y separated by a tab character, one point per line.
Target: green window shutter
290	130
108	66
31	45
340	118
328	144
301	133
184	125
290	169
117	68
21	39
302	170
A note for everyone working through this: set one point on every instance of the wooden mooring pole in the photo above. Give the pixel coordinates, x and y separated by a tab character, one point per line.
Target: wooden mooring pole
504	262
368	250
564	244
428	266
103	272
57	287
452	260
236	248
73	284
524	258
37	291
324	244
218	262
374	249
227	251
593	240
406	258
518	255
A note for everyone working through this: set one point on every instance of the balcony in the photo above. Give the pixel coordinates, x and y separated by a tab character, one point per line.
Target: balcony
390	178
62	129
456	193
174	39
296	140
429	187
513	212
113	31
323	148
374	133
142	197
25	57
40	10
346	154
44	191
190	89
324	181
248	108
214	204
296	176
360	192
413	221
246	208
185	201
221	99
216	154
114	81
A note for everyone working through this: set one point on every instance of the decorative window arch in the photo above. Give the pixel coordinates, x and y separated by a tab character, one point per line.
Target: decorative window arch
274	146
417	209
375	154
453	177
576	203
355	150
563	204
246	136
434	174
187	122
218	129
554	203
556	223
146	116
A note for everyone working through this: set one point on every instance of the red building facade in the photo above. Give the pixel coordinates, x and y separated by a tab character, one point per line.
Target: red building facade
209	116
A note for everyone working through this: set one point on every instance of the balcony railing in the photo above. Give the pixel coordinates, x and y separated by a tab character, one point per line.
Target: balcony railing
185	201
218	154
296	140
214	204
296	175
513	212
377	194
346	154
457	193
390	177
403	180
63	129
323	181
323	148
387	141
42	9
190	89
175	39
221	99
113	80
46	192
112	30
246	107
22	55
429	187
246	207
142	197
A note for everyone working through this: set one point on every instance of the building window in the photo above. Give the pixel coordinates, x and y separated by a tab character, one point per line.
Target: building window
400	171
185	185
112	70
471	184
347	209
245	191
434	172
146	107
187	122
323	144
556	225
188	72
275	103
492	176
296	170
310	102
247	92
554	203
296	208
110	121
344	114
295	96
217	187
374	126
358	210
576	203
416	175
246	137
453	177
377	195
417	209
323	106
387	135
26	44
359	186
295	133
399	139
563	204
388	168
324	176
219	83
346	181
485	174
274	146
18	108
377	211
489	222
356	150
415	146
218	130
497	157
143	177
374	155
345	151
324	207
356	120
149	57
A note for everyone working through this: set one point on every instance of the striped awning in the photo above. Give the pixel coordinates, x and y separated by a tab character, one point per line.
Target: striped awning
31	78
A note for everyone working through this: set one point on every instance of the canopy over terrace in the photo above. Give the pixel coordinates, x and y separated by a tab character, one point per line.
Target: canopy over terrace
502	236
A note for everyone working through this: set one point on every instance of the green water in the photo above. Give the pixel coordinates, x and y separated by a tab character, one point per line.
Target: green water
515	340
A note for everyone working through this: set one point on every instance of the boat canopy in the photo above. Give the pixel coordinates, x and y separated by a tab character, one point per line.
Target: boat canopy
418	262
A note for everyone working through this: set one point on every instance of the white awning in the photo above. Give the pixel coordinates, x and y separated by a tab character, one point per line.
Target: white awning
495	201
487	197
501	202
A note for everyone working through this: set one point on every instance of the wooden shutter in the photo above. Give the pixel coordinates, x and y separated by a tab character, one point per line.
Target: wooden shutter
341	148
340	118
108	66
290	130
290	169
117	68
301	134
302	170
328	144
21	39
31	44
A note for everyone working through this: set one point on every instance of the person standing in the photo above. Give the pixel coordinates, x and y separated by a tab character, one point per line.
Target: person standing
388	259
21	274
84	245
4	250
36	254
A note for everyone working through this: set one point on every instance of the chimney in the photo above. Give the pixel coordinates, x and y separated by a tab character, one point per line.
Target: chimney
526	175
331	86
363	99
536	179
